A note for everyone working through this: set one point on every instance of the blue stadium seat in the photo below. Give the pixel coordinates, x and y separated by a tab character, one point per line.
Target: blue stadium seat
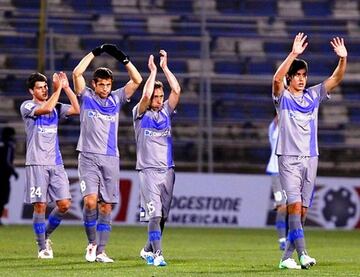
178	7
22	62
103	6
131	25
265	67
187	111
230	67
317	8
247	7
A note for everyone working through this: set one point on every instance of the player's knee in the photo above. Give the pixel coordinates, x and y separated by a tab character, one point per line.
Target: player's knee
40	207
281	209
64	205
90	202
295	208
105	208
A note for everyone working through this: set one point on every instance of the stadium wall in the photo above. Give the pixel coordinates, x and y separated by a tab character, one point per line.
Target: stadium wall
213	200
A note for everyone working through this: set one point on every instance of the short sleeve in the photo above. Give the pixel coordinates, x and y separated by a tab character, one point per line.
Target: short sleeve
27	109
63	109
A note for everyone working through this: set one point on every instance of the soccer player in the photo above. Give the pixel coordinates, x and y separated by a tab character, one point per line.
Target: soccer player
272	169
46	178
99	163
152	124
297	145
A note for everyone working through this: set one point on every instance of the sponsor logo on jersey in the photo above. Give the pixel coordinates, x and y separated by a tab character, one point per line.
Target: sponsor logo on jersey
302	116
150	133
42	130
95	114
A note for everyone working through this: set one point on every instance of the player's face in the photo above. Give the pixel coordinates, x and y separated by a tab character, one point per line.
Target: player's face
40	91
298	81
157	99
102	87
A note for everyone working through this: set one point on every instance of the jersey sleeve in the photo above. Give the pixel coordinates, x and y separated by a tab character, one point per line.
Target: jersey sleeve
120	92
63	109
321	92
277	99
135	112
168	109
28	108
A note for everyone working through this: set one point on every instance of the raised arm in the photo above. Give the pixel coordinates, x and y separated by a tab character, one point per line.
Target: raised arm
298	48
173	82
75	108
148	87
78	78
338	74
49	105
135	80
135	77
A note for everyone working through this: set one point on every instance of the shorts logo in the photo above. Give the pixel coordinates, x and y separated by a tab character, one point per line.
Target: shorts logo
95	114
142	212
278	196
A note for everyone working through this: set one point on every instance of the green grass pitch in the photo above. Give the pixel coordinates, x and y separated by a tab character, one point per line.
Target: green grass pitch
188	252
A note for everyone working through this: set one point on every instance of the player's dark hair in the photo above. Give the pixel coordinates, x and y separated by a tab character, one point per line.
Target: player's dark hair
296	65
33	78
102	73
157	84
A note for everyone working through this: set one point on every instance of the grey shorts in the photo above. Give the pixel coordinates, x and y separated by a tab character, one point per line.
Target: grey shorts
156	191
297	177
46	183
278	192
99	174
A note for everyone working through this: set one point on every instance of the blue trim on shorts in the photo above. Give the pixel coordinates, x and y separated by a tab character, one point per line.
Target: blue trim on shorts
89	224
101	227
295	234
39	228
154	235
280	224
312	197
54	221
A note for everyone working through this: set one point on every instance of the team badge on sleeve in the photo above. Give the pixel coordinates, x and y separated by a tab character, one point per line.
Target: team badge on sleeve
29	106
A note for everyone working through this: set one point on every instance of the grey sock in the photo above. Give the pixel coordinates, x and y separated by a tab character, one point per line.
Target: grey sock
281	224
296	233
103	230
39	227
90	217
154	232
54	221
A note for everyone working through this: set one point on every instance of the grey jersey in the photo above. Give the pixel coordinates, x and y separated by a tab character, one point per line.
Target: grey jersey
99	120
298	121
153	138
42	143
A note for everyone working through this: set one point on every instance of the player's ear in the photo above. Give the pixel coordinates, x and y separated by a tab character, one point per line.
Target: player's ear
31	91
93	84
288	79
